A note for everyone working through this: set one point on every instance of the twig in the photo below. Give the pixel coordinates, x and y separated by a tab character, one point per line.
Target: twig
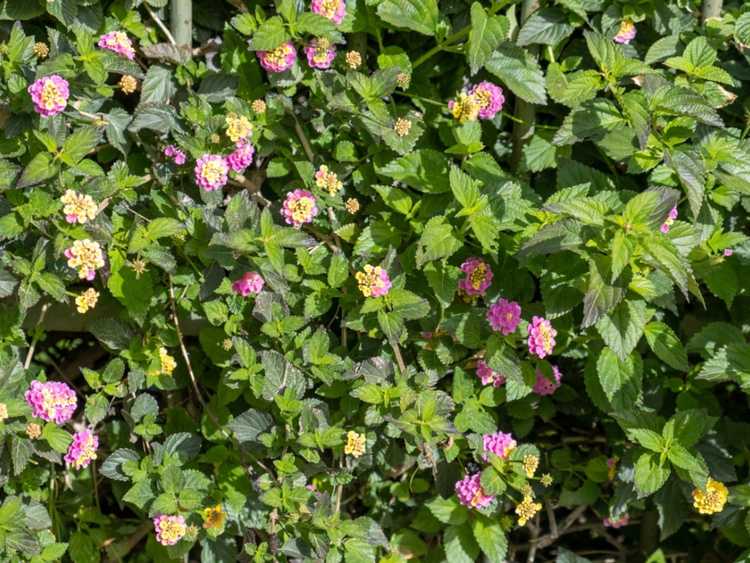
303	139
533	545
551	518
158	22
399	357
37	334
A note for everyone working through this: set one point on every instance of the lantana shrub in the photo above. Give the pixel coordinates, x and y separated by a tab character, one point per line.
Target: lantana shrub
374	280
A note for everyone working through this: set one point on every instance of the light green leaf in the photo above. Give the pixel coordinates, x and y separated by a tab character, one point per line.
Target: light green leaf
487	32
421	16
519	71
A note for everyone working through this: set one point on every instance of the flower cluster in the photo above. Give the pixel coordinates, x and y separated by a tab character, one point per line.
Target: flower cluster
299	208
620	522
87	300
544	386
49	94
355	444
541	337
334	10
78	208
353	59
86	256
320	53
3	412
280	59
487	375
373	281
470	493
478	277
52	401
238	127
504	316
626	33
499	443
169	529
482	101
174	153
211	172
711	499
82	450
166	361
402	127
325	179
526	509
214	517
250	282
530	464
669	221
117	42
128	84
241	157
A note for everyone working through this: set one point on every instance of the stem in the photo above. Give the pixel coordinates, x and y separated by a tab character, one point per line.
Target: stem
711	9
160	24
525	112
37	334
303	139
181	20
399	357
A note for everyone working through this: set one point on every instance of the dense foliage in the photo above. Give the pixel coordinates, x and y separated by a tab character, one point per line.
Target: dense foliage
374	280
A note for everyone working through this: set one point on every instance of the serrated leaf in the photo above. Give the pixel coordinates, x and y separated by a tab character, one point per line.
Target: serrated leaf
547	26
421	16
621	380
666	345
487	32
519	71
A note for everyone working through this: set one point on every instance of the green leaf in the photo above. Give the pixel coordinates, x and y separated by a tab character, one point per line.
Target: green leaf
250	424
519	71
696	467
547	26
40	168
158	85
425	170
79	144
662	48
649	475
621	380
448	510
460	545
270	34
437	241
443	280
57	438
140	494
647	438
690	170
490	536
112	466
421	16
622	328
666	345
487	32
315	24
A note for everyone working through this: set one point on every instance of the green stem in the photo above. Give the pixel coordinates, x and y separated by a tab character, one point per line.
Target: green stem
181	20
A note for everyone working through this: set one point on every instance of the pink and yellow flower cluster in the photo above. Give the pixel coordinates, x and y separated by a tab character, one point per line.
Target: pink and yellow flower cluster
49	94
86	257
82	450
52	401
118	42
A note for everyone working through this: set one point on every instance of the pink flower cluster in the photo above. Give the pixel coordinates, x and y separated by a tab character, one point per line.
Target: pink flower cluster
478	277
117	42
669	221
543	386
626	33
541	337
490	98
334	10
499	443
470	493
487	375
242	156
728	252
176	154
82	450
211	172
320	53
504	316
52	401
169	529
250	282
619	523
280	59
49	94
299	208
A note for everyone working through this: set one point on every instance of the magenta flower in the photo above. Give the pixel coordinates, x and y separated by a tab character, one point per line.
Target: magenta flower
487	375
117	42
299	208
499	443
53	401
250	282
211	172
242	156
49	94
626	33
728	252
82	449
320	53
619	523
334	10
541	337
176	154
169	529
490	98
470	493
504	316
478	277
543	386
280	59
669	221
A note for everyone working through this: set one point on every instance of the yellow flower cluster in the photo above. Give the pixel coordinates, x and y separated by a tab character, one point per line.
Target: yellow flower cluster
465	107
711	499
328	180
353	59
86	256
168	363
41	51
238	127
402	127
78	208
87	300
258	106
530	464
128	84
355	444
526	509
3	411
33	430
352	205
213	517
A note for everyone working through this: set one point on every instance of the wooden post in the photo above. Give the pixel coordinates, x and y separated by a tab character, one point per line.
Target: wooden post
181	22
711	9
